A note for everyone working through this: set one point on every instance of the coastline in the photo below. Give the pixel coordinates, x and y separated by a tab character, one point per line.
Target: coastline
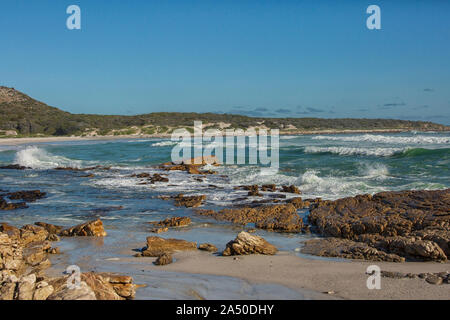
26	140
347	279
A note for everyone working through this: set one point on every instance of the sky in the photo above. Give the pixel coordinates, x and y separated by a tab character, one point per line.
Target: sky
278	58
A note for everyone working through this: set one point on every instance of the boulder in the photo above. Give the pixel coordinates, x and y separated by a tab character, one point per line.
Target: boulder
245	243
92	228
208	247
165	258
173	222
157	246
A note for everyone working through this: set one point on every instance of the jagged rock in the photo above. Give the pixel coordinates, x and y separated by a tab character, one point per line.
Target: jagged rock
208	247
159	230
92	228
25	287
344	248
246	243
269	187
189	201
84	292
157	246
51	228
30	233
413	224
14	167
165	258
279	217
28	196
4	205
172	222
433	279
43	291
290	189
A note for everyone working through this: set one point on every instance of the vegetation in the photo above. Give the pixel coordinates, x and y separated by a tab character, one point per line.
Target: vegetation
29	117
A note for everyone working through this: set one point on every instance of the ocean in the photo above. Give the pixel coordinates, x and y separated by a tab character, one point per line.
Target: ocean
328	166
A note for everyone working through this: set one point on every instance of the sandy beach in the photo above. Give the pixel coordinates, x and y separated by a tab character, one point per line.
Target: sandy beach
29	140
347	279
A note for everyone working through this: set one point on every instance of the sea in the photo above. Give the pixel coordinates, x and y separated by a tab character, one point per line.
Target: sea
329	166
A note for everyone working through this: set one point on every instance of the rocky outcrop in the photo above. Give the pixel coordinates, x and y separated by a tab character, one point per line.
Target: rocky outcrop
189	201
4	205
157	246
290	189
245	243
14	167
172	222
23	259
27	196
92	228
411	224
437	278
279	217
207	247
165	258
344	248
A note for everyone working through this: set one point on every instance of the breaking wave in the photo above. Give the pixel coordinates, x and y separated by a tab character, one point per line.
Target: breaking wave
351	151
417	139
37	158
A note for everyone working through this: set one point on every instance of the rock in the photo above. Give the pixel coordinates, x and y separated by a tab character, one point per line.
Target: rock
43	291
269	187
30	233
92	228
208	247
159	230
25	287
51	228
189	201
413	224
246	243
165	258
28	196
4	205
279	217
14	167
173	222
344	248
84	292
417	249
53	237
433	279
290	189
158	178
157	246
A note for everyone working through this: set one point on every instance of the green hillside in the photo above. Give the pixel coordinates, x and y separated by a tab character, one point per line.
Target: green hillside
26	116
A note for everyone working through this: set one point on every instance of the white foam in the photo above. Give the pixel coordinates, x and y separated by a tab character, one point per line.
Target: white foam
416	139
347	151
164	143
37	158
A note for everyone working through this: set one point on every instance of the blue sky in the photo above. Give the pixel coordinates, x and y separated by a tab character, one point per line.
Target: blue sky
264	58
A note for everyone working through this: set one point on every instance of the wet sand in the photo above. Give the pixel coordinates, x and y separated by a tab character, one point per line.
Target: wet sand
347	279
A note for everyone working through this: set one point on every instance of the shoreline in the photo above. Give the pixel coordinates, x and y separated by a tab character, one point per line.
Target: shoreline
319	278
26	140
346	278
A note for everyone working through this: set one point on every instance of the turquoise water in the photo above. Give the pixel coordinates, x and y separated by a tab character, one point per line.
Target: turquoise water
327	166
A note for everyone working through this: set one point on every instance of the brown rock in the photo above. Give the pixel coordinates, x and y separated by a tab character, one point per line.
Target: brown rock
173	222
246	243
290	189
189	201
165	258
157	246
433	279
208	247
344	248
92	228
51	228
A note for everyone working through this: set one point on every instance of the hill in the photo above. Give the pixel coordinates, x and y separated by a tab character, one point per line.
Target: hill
24	116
